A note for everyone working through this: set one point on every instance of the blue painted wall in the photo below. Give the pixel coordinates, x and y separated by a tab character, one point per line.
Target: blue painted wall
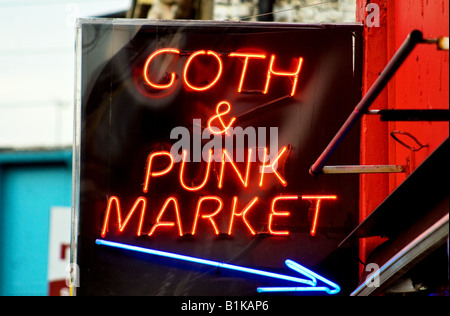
31	183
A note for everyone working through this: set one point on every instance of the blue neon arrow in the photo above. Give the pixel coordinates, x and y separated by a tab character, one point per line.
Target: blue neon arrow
301	269
312	277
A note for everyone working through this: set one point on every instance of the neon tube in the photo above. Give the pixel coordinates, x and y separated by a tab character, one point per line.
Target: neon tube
272	166
209	216
285	74
294	289
244	69
215	130
147	65
319	198
205	180
301	269
116	201
168	224
149	172
188	63
275	213
217	264
242	214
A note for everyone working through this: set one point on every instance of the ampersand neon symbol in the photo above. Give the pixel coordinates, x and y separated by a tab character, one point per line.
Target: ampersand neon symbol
215	130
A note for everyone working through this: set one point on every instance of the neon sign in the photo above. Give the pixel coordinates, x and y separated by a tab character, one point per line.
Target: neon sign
311	276
114	201
195	142
219	117
271	72
147	64
226	158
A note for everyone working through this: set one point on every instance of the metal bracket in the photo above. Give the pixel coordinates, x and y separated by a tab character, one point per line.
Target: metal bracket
412	115
364	169
414	38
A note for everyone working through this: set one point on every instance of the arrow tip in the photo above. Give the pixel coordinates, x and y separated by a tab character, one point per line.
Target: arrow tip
314	276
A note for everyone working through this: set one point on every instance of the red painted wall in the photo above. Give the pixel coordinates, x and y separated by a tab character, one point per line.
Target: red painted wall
374	134
421	83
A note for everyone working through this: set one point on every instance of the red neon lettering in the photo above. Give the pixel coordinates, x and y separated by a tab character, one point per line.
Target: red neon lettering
246	59
218	116
285	74
244	69
188	63
272	166
230	160
115	200
168	224
275	213
205	179
318	199
209	216
242	214
149	172
147	65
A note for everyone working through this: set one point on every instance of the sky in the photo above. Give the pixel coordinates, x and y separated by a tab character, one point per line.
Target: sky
37	68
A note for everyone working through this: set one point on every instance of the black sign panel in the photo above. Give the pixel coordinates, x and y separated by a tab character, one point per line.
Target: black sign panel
195	142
